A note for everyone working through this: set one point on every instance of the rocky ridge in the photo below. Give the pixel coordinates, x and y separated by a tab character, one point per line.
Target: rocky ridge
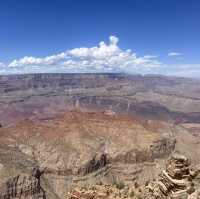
178	181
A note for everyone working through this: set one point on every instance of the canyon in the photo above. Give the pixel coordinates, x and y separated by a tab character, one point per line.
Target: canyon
90	129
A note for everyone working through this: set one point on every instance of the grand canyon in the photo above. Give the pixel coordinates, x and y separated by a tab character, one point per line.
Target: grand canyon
106	131
99	99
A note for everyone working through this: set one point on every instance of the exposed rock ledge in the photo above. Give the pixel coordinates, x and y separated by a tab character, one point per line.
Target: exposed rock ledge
23	187
160	148
178	181
96	163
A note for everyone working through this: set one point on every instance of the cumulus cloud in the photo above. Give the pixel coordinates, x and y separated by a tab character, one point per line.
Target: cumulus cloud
104	57
174	54
49	60
101	58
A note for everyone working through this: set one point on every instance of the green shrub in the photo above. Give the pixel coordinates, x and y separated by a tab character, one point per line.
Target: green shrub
119	185
132	194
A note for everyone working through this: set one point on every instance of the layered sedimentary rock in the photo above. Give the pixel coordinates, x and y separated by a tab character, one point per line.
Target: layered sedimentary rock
97	162
85	148
23	187
176	182
151	97
137	120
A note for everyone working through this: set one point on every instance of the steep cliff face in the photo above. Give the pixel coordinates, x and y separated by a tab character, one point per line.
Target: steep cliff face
23	186
96	163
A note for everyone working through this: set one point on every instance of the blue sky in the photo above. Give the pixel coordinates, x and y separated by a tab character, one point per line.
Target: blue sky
135	36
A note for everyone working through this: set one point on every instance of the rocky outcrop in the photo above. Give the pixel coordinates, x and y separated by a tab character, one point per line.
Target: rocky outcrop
97	162
23	187
176	182
98	192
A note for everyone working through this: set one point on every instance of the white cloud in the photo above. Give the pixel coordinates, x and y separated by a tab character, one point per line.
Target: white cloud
49	60
174	54
2	64
151	56
104	57
114	40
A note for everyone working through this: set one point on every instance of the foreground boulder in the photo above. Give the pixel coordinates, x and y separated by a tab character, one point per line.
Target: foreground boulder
176	182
